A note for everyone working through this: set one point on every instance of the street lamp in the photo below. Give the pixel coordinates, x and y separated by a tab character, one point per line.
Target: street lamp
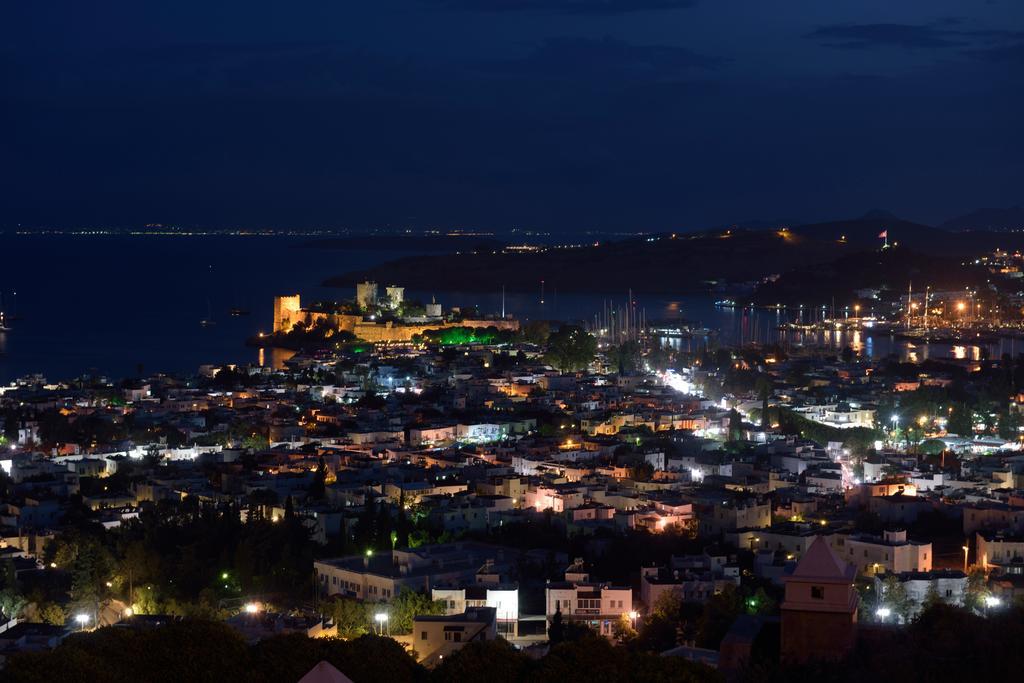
992	601
633	614
883	613
82	620
382	619
251	608
966	550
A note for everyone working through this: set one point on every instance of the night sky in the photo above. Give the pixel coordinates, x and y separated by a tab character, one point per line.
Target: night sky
551	114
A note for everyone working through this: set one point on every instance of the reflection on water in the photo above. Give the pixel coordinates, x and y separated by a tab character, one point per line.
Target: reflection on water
735	326
277	357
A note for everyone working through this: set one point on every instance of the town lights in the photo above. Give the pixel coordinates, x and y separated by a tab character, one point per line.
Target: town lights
992	601
251	608
883	613
82	620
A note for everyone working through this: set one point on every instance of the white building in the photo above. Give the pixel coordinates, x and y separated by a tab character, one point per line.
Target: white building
598	605
949	585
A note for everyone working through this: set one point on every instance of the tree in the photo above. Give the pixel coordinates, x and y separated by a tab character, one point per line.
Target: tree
571	348
717	617
931	597
351	617
317	489
407	605
1009	425
642	471
760	603
735	425
895	597
53	614
976	590
556	630
623	629
494	661
961	421
536	332
626	357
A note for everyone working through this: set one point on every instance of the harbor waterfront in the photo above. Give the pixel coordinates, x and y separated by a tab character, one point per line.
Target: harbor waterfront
102	304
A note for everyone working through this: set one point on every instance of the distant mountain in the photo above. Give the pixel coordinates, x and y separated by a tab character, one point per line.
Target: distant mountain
865	231
999	220
756	224
690	262
891	269
653	264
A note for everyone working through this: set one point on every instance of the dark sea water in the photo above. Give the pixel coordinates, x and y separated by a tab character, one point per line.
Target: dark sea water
110	304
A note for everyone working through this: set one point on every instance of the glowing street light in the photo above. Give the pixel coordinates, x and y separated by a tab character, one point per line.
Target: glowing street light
382	620
992	601
966	550
82	620
251	608
633	614
883	613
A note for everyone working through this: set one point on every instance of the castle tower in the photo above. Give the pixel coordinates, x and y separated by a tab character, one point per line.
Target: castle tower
286	309
433	309
819	613
396	295
366	295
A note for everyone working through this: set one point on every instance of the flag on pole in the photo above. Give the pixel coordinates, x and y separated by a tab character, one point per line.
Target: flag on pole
883	235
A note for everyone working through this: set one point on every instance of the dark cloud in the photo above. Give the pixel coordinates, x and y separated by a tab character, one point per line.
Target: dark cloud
567	6
862	36
606	58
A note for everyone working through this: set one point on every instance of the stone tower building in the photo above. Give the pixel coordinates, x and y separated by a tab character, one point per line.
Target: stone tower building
286	310
819	613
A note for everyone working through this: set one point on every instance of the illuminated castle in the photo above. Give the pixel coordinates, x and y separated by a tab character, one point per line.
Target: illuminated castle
286	312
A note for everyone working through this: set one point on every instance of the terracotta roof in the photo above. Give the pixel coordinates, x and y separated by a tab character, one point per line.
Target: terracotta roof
324	672
821	563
